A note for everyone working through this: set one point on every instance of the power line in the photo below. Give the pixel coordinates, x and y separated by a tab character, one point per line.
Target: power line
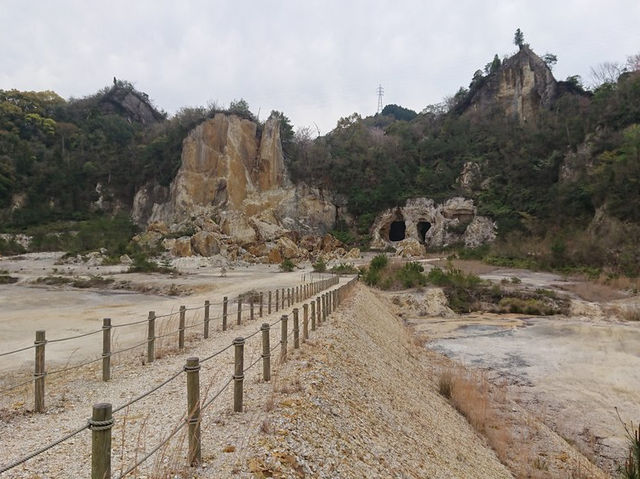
380	91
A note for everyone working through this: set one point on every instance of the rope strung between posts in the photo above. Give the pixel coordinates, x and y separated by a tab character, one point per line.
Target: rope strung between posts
216	353
129	324
43	449
16	386
226	385
252	364
150	391
154	450
59	340
252	334
129	348
141	321
71	368
17	350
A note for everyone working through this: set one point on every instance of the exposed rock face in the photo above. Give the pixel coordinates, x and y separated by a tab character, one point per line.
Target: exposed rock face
425	223
135	105
236	179
521	86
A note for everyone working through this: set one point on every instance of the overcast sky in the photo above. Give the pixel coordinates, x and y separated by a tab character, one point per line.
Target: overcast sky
315	60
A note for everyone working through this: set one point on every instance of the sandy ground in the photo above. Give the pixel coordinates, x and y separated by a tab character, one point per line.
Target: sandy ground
572	372
64	311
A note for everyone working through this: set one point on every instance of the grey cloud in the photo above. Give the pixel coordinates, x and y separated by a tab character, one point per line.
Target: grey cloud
314	60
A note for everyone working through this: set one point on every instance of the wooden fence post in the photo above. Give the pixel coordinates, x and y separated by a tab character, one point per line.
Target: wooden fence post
313	315
318	311
251	308
239	319
277	299
324	307
207	305
151	337
269	304
296	329
238	376
289	297
106	349
266	352
183	311
305	322
225	305
39	372
261	302
100	424
283	338
192	369
283	298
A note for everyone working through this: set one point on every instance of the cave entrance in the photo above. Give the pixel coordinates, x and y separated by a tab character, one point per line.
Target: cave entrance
423	227
397	230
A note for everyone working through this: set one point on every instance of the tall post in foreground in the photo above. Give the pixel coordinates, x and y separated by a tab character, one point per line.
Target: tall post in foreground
106	349
151	337
266	352
192	369
39	372
183	311
283	338
100	424
207	305
305	322
225	305
296	329
238	376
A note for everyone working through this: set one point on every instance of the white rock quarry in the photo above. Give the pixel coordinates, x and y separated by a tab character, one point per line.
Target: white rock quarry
233	184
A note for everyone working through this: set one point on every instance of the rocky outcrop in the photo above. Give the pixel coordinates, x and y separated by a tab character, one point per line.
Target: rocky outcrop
424	223
123	99
520	87
234	174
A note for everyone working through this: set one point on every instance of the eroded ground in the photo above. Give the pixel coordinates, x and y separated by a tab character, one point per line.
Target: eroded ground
576	373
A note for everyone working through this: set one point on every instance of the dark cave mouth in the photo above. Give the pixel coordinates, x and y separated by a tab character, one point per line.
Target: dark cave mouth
397	231
423	227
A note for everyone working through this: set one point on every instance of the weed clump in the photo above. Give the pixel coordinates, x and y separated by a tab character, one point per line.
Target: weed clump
287	266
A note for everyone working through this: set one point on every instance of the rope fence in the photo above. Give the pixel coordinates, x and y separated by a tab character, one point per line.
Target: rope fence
101	422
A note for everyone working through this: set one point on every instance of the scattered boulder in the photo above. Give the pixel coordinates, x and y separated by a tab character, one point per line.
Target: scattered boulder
182	247
288	249
330	243
159	227
410	247
354	253
205	243
168	243
148	239
126	260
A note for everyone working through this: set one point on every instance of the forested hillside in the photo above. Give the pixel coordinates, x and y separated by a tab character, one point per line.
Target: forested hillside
543	179
564	186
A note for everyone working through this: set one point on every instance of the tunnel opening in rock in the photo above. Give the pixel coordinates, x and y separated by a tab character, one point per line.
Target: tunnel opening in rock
423	227
397	231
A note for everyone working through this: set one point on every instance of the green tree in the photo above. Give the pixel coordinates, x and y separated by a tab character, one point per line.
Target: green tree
518	38
550	59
